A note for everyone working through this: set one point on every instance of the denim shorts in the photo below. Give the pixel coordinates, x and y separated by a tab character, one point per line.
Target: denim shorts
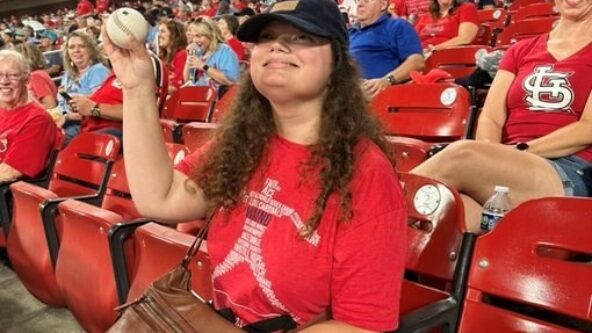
576	175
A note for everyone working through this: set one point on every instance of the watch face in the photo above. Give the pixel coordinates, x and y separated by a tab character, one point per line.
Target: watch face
522	146
427	199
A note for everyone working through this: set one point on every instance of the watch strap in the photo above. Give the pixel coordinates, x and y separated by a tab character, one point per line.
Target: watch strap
391	79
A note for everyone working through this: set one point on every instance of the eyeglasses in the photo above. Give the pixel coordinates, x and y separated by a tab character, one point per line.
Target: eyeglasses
301	39
11	76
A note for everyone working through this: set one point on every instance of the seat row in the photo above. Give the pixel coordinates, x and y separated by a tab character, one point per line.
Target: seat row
107	254
501	28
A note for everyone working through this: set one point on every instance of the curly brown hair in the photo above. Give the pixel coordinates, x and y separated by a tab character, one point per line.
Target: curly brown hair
178	41
241	142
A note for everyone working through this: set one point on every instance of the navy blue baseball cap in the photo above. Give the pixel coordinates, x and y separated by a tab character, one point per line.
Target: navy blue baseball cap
317	17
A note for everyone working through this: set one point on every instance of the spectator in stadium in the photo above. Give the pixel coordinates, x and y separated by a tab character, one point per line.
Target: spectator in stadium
535	132
386	48
7	37
208	8
228	25
47	39
27	132
84	72
41	86
212	62
297	173
172	44
103	110
449	23
29	34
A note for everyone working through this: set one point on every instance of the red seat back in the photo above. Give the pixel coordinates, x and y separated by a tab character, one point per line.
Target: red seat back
408	152
538	256
433	112
537	10
436	224
196	134
190	104
223	104
458	61
158	250
496	18
524	29
80	167
117	196
84	273
517	4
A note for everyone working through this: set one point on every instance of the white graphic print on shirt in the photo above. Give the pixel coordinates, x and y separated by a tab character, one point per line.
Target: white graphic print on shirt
261	208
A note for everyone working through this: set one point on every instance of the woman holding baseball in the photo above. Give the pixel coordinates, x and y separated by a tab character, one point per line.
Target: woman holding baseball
308	215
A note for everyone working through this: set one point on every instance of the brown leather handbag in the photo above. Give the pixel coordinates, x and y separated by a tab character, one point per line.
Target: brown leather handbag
170	306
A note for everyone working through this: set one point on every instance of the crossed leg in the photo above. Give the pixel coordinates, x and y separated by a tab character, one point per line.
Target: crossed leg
474	167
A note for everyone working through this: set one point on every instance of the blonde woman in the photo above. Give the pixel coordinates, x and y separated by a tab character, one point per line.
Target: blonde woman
210	61
85	71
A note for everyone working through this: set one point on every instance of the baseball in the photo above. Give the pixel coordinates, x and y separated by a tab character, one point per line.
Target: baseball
125	22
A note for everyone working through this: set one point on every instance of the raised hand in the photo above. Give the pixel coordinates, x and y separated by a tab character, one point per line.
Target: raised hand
132	66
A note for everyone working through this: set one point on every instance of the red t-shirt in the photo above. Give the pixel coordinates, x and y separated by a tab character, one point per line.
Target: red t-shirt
433	31
27	136
237	47
109	93
262	268
417	7
41	85
546	94
176	68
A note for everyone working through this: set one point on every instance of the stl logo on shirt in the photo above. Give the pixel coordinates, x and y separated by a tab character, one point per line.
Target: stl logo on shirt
548	90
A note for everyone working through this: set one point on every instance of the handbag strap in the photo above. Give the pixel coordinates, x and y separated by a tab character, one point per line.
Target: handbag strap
194	248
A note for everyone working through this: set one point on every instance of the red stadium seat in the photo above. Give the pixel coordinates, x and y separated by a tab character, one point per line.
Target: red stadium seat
436	112
458	61
6	196
186	105
532	273
517	4
81	171
437	256
524	29
223	104
495	18
196	134
85	239
408	152
537	10
491	22
158	250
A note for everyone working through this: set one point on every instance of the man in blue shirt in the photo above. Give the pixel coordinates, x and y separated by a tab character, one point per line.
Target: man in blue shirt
387	49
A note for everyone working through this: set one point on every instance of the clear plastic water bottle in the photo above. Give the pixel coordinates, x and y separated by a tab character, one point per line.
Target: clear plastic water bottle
194	51
495	208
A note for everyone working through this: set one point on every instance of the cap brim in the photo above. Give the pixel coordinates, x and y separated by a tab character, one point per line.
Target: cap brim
249	31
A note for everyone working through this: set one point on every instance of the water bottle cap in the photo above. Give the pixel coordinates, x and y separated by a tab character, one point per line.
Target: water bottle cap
499	188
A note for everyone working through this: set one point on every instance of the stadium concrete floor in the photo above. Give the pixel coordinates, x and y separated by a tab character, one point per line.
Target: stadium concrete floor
22	313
